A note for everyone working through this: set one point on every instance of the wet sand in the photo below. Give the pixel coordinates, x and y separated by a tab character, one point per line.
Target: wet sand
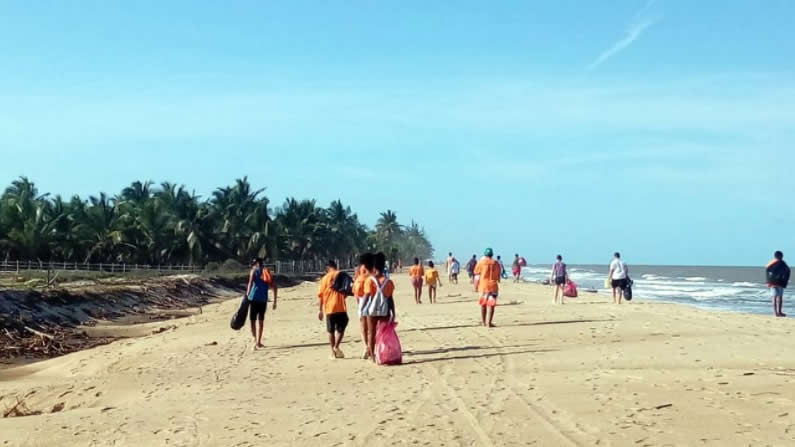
586	373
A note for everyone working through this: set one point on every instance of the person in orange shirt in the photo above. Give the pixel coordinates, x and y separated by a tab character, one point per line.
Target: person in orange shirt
378	282
416	273
489	271
432	279
333	307
362	275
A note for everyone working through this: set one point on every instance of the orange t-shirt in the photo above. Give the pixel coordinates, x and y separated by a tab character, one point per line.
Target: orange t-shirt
358	283
370	288
489	271
416	271
333	301
431	277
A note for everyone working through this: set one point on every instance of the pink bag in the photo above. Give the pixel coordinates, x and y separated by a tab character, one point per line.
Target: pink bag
387	345
570	290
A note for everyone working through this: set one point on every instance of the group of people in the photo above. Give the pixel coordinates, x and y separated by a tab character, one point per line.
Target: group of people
374	291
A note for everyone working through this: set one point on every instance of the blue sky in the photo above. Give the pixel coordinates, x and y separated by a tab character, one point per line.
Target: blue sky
663	129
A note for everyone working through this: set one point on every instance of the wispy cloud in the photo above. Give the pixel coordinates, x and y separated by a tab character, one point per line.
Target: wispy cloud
640	23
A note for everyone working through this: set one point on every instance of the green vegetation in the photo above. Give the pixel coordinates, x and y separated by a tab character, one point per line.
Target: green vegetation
152	225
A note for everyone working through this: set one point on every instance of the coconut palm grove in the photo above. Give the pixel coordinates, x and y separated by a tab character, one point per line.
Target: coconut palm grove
165	224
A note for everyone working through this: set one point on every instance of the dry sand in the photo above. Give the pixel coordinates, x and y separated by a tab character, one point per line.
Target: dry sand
587	373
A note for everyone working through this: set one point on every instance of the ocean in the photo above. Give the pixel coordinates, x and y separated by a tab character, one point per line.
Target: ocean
740	289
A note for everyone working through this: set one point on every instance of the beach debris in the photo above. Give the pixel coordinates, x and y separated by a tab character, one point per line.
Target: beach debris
19	409
660	407
749	374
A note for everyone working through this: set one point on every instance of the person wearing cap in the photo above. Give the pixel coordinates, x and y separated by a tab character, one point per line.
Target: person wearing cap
489	271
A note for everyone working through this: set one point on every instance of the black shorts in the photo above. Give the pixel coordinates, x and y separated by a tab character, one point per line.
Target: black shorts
257	309
560	280
620	283
336	322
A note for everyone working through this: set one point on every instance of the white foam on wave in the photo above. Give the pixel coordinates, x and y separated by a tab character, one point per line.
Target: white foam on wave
745	284
695	278
653	277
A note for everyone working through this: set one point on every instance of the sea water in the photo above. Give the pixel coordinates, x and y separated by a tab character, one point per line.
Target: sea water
739	289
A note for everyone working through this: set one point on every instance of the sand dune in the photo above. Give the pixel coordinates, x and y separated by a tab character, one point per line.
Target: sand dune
587	373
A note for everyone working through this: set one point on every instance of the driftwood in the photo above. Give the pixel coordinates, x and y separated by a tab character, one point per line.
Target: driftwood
40	334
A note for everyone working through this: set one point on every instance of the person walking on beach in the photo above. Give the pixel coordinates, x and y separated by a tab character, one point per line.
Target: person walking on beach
332	306
259	280
455	269
432	279
516	268
503	273
619	277
449	265
363	274
489	271
471	268
416	273
376	288
777	274
558	278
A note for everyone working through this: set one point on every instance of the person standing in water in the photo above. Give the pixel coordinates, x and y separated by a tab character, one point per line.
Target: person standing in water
416	273
619	277
432	279
489	271
334	309
363	274
516	268
558	278
777	274
259	280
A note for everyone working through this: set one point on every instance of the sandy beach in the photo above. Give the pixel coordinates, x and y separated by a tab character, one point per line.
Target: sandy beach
586	373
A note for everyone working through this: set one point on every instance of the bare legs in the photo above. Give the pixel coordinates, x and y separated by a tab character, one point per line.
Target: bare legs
432	294
778	303
365	339
484	312
256	333
618	293
559	290
418	294
372	325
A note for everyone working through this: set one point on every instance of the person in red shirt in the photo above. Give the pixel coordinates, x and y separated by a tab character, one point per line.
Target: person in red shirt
488	288
333	307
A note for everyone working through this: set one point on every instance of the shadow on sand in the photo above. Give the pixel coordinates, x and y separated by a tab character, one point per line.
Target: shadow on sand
475	356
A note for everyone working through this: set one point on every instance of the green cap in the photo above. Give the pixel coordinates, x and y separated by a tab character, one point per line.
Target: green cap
488	252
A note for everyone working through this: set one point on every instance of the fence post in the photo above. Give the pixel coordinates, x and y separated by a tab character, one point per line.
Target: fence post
17	266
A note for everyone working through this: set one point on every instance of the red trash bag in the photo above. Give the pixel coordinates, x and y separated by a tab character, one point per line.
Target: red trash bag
387	345
523	262
570	290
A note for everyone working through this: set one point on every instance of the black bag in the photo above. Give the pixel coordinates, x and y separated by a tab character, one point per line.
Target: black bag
239	318
628	290
778	274
343	284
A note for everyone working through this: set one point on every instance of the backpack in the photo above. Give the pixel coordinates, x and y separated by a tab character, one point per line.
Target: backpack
378	305
343	284
267	276
778	274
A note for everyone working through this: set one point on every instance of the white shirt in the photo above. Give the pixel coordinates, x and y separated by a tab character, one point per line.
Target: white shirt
619	269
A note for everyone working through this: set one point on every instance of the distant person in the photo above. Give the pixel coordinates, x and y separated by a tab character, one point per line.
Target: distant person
432	279
516	268
777	273
416	273
503	273
334	309
619	277
559	277
471	268
378	285
449	265
259	280
489	271
363	273
455	269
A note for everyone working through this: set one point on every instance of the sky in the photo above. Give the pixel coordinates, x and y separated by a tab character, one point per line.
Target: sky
663	129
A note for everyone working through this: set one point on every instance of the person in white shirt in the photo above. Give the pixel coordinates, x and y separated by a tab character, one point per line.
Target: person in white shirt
618	276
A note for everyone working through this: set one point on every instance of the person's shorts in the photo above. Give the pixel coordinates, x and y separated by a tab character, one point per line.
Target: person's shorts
360	303
776	291
336	322
488	299
257	309
620	283
516	272
454	276
416	282
561	280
